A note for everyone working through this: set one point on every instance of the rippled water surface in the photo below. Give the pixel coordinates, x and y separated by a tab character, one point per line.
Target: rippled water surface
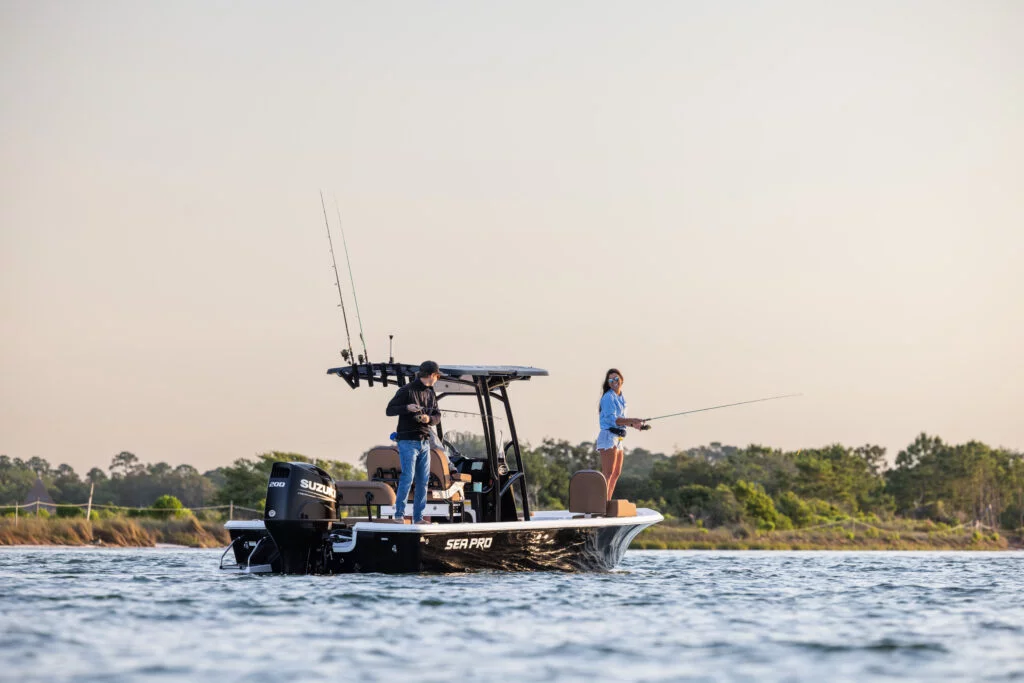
169	614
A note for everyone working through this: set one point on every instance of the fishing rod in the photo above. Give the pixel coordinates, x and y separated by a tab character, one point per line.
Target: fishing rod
727	405
352	279
346	354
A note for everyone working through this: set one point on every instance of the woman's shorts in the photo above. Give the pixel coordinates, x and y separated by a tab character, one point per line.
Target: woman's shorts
607	440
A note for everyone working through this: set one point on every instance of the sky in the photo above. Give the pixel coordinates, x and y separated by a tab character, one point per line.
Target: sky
723	200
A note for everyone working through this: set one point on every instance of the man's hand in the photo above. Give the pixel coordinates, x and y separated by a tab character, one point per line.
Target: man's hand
413	408
425	419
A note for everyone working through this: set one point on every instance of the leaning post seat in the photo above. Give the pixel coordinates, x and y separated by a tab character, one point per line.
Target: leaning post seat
443	477
383	464
368	493
588	493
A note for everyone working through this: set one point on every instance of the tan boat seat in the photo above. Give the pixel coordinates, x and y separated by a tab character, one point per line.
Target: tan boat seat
368	493
588	493
363	492
383	464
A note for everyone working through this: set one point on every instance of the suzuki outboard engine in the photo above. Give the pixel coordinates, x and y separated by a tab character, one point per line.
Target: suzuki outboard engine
300	508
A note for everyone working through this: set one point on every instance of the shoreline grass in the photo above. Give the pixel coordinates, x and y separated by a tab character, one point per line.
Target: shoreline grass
119	532
851	535
669	535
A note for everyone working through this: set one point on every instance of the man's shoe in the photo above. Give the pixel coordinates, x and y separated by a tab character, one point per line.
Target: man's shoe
421	521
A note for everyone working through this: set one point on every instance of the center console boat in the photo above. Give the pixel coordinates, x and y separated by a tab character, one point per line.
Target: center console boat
313	524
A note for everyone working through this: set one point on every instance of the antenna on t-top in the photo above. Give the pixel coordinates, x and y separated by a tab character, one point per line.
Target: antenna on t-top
391	349
346	353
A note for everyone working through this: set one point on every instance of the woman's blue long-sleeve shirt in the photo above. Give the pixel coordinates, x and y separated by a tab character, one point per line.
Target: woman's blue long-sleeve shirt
613	406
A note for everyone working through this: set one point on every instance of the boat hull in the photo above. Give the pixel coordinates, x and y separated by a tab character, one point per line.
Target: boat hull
571	545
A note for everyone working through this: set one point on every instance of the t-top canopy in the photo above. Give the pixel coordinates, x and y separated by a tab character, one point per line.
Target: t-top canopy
401	373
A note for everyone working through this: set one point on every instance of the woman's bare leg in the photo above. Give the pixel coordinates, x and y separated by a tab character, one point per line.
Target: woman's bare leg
616	469
608	466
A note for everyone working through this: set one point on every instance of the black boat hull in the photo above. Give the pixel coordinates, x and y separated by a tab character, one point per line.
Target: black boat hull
566	549
591	545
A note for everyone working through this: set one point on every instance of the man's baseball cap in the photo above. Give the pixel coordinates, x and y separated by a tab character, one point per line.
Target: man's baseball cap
429	367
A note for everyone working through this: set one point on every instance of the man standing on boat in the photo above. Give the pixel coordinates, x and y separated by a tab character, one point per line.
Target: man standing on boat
415	405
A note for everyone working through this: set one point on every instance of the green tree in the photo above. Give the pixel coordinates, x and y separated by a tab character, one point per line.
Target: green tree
68	488
16	479
794	507
168	506
722	507
245	480
759	507
638	462
966	482
125	464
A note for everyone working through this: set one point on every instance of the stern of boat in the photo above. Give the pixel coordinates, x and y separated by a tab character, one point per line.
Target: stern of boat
252	550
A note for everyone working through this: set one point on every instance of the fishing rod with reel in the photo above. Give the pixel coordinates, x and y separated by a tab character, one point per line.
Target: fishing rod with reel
347	353
366	355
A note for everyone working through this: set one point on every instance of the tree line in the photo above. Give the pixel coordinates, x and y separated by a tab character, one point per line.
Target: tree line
130	483
717	485
712	485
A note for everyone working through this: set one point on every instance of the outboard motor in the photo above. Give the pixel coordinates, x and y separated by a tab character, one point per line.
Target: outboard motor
300	508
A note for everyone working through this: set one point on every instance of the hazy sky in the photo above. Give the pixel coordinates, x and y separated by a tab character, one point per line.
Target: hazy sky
724	200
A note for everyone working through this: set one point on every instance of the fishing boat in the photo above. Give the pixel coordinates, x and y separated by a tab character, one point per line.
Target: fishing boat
477	506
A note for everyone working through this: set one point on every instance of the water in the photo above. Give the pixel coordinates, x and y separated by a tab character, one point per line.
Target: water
169	615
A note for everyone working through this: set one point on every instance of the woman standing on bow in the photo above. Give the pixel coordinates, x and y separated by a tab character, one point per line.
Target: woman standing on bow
613	427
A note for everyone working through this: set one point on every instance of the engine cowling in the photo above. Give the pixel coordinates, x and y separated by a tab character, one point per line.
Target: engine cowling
301	504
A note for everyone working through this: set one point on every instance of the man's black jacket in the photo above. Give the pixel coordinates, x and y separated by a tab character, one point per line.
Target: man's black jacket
419	394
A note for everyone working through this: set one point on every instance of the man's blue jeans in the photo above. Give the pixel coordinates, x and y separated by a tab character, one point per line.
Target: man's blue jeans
415	456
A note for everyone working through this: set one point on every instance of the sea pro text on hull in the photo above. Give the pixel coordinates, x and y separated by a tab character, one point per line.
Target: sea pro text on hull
480	505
